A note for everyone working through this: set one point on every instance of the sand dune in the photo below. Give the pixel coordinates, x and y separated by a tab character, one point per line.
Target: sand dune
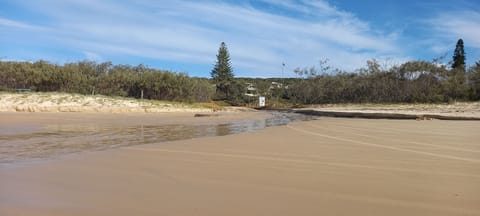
63	102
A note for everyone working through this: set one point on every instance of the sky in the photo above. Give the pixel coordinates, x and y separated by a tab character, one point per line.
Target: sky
184	36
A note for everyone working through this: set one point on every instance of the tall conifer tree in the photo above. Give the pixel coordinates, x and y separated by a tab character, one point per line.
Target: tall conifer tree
459	56
457	80
222	73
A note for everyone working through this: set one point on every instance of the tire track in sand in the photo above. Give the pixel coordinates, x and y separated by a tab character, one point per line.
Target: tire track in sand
384	146
409	142
279	158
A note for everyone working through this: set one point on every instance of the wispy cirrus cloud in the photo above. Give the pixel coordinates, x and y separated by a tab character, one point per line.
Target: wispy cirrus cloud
446	27
20	25
190	32
458	24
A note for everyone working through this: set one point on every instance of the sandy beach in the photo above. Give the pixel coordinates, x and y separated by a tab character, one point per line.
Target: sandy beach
239	108
330	166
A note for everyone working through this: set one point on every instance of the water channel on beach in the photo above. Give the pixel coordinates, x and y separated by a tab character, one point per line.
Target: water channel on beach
58	140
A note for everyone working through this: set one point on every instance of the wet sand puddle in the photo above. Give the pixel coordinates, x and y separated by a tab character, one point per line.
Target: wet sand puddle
58	140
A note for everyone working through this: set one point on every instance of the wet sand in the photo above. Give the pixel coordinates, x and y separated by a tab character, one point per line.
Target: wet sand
38	136
28	122
322	167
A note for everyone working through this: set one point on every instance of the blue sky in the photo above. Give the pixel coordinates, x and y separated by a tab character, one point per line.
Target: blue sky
184	36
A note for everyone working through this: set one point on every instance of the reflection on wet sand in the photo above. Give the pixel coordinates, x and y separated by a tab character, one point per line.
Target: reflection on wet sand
62	139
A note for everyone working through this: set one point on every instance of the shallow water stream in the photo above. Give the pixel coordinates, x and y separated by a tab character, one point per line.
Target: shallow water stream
59	139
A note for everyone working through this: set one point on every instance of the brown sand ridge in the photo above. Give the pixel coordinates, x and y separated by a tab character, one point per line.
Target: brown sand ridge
64	102
457	109
323	167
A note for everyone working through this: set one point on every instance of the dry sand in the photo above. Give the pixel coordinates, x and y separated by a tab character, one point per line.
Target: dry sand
458	109
64	102
323	167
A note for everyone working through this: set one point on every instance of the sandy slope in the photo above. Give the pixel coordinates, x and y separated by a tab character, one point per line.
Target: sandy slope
467	109
62	102
323	167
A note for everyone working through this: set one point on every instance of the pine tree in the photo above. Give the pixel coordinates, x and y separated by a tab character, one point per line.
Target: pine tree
457	79
222	73
459	57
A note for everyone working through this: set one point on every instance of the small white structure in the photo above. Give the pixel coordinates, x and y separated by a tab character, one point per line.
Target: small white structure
261	101
275	85
251	90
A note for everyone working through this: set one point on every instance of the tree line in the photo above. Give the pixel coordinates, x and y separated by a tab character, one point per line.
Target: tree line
88	77
413	81
410	82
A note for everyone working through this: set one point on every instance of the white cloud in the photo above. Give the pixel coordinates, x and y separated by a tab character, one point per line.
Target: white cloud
445	28
16	24
191	31
458	24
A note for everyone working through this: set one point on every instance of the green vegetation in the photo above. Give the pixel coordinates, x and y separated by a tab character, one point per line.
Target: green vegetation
222	75
415	81
227	88
411	82
459	56
474	81
88	77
